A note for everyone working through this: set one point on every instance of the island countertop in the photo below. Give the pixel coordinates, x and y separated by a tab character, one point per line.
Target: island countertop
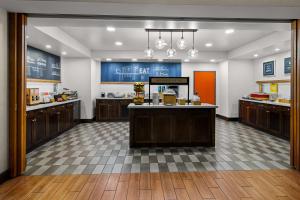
40	106
189	106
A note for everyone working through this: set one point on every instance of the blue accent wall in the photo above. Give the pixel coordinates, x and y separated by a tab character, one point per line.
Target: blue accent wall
137	71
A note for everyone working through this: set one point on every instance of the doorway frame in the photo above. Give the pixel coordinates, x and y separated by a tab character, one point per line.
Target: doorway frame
17	82
215	72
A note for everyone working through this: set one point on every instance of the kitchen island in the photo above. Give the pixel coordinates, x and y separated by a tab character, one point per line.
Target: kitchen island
179	125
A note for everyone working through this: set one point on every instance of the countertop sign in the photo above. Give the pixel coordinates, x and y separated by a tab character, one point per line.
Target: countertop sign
137	71
42	66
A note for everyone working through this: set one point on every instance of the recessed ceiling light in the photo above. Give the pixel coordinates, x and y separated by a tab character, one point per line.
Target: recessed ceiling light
48	46
64	53
186	60
208	44
160	60
229	31
212	60
118	43
255	55
108	59
111	29
277	49
133	59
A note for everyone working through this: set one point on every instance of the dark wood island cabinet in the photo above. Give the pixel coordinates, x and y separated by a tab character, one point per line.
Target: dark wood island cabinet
185	125
270	118
44	124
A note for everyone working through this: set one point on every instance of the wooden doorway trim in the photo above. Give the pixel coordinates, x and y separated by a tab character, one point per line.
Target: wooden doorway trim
295	96
17	93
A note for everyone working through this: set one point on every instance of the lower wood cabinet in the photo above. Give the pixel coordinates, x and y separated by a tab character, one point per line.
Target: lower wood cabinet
112	109
272	119
47	123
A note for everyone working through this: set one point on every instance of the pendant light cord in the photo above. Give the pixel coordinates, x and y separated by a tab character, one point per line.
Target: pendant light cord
148	40
193	39
171	40
181	34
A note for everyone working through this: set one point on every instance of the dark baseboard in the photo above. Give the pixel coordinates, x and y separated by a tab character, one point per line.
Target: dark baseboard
87	120
4	176
227	118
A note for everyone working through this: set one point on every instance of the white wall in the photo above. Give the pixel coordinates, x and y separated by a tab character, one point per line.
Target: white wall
223	102
76	75
4	92
284	90
240	83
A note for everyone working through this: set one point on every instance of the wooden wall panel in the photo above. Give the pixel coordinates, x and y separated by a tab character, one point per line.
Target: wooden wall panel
295	96
17	93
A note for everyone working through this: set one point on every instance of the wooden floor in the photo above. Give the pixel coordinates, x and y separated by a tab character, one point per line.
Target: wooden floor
270	185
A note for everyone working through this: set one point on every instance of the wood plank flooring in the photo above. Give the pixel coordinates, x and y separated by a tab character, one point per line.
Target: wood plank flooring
225	185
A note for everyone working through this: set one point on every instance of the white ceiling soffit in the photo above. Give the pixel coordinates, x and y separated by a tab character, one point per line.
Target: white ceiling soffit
260	9
264	46
39	40
202	56
65	40
68	22
201	2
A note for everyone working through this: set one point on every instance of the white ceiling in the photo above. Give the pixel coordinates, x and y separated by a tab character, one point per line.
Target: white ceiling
97	38
92	35
200	2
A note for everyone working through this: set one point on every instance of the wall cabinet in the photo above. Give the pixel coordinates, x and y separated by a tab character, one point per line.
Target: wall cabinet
272	119
47	123
112	109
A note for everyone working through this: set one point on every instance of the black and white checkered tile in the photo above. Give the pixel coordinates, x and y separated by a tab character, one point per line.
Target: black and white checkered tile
94	148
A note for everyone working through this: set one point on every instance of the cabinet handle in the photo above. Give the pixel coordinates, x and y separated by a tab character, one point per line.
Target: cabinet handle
267	111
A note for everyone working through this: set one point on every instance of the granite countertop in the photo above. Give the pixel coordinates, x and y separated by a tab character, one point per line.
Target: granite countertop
268	102
40	106
146	105
113	98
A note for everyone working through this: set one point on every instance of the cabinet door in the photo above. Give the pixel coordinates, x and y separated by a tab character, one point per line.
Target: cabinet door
285	123
40	127
124	112
30	120
76	112
262	116
142	126
113	110
102	111
243	112
54	121
200	121
69	116
162	128
181	133
252	114
274	121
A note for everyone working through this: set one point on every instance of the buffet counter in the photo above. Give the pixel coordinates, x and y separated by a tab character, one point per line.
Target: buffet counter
178	125
267	102
47	105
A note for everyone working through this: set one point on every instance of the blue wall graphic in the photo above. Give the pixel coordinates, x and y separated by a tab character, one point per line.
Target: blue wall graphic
137	71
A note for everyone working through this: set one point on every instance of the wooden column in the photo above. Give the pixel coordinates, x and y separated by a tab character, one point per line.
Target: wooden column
17	93
295	96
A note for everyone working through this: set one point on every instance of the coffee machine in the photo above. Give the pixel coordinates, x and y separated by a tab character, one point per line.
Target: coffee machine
33	96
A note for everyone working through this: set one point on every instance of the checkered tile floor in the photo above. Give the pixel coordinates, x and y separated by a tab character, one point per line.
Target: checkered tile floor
94	148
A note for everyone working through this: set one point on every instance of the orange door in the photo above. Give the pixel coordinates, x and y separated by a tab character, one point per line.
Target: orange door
205	86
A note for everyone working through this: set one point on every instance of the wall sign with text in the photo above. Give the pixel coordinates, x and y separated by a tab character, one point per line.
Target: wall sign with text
269	68
42	65
287	65
125	72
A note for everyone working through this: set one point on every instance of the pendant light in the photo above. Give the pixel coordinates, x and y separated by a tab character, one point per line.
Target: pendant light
181	44
193	52
148	51
171	52
160	43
